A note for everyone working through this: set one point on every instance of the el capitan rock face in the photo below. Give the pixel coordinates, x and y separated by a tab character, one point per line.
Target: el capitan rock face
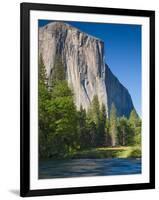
84	63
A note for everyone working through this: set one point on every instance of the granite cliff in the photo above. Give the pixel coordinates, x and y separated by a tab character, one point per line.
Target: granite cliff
84	63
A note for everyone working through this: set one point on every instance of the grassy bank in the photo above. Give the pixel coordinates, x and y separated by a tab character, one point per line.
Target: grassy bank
110	152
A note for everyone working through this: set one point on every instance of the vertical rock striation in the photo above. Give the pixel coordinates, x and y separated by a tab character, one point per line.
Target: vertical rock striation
86	71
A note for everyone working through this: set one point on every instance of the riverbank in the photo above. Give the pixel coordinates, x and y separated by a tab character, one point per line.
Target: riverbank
109	152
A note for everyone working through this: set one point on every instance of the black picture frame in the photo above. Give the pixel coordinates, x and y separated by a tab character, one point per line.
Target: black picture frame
25	9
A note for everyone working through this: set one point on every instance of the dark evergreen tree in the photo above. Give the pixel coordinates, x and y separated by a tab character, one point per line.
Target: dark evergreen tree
102	130
64	138
124	131
133	118
82	129
135	124
43	98
58	135
58	71
94	116
137	137
113	126
108	141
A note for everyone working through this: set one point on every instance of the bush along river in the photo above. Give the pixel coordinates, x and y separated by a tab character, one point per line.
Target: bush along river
93	163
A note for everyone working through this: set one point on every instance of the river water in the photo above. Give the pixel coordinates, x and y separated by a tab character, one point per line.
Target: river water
88	167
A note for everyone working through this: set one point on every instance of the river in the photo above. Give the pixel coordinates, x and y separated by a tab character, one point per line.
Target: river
88	167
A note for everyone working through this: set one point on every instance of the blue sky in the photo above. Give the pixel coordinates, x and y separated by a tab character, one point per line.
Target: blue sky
122	44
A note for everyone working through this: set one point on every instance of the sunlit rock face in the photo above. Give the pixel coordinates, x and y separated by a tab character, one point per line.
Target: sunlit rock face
84	63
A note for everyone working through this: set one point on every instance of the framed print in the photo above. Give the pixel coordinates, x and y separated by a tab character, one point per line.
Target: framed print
87	99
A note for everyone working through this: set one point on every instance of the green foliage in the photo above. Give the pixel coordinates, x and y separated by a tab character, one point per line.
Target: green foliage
96	122
133	118
107	140
137	137
129	130
42	72
82	129
113	125
135	124
64	130
58	135
43	97
64	136
102	130
61	89
94	110
124	132
91	133
58	72
93	120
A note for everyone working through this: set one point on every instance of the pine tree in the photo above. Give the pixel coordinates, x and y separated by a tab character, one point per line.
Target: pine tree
94	117
64	138
58	135
58	72
123	131
41	72
113	125
83	129
137	137
135	124
107	139
95	110
133	118
43	97
102	130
